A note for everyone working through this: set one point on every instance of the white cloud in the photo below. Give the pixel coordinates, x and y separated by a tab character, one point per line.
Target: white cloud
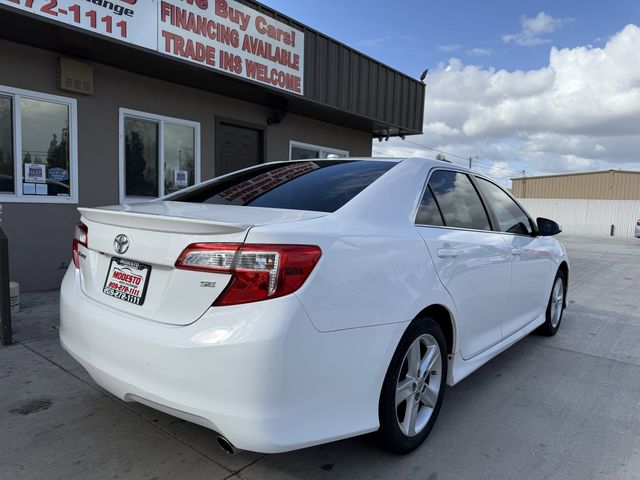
479	52
579	112
534	29
449	48
441	129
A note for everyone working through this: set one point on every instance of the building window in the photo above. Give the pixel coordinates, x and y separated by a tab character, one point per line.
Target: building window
305	151
158	155
38	147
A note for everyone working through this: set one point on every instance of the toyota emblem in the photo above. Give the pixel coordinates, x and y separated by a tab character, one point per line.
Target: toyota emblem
121	244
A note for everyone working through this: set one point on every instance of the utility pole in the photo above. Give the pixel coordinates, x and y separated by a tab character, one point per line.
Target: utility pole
471	159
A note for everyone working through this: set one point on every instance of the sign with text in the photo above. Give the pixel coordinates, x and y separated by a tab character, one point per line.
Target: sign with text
229	36
222	35
132	21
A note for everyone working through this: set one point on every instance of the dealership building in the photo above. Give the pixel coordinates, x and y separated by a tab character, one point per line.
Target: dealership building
105	102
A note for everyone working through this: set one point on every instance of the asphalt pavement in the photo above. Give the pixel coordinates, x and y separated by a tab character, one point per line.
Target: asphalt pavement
566	407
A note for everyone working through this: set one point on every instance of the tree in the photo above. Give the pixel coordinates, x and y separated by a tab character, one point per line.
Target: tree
57	153
136	165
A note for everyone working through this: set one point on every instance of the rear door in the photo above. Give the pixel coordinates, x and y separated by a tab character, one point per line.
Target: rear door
473	262
532	267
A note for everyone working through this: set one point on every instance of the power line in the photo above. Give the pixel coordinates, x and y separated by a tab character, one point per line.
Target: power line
464	164
437	150
382	153
508	170
466	159
479	163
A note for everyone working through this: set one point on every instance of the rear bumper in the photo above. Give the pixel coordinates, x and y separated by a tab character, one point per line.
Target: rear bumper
259	374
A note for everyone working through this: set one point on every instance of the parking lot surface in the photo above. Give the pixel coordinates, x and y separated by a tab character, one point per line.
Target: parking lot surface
566	407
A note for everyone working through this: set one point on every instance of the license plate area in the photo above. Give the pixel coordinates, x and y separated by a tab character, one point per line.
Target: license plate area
127	280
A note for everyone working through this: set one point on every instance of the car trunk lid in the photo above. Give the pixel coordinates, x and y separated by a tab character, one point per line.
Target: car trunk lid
156	233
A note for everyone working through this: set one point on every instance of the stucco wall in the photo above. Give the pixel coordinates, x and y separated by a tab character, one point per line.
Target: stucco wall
40	234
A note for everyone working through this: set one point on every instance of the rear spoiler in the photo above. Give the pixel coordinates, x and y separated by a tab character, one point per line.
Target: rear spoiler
160	223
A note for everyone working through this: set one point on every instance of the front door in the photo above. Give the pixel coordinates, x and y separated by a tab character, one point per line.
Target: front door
532	267
473	262
237	147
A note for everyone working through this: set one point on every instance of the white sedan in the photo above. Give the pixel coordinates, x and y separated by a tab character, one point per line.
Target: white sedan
296	303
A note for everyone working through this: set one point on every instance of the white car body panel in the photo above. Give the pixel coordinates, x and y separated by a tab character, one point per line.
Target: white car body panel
240	370
234	370
535	261
480	273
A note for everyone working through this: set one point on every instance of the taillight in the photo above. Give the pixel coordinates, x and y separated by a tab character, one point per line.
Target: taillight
80	237
260	272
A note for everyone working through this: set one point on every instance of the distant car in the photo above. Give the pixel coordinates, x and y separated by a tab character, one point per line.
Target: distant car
637	234
297	303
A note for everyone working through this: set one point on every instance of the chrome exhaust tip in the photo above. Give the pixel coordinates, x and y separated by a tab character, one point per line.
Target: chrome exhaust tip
226	445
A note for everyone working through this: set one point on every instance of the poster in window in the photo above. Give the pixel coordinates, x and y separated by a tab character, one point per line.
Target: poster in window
58	174
181	178
35	173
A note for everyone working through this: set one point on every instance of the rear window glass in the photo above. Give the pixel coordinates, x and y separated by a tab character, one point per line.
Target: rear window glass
322	186
457	198
429	212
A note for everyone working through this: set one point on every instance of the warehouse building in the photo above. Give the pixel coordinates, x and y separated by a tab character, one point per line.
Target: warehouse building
602	203
105	102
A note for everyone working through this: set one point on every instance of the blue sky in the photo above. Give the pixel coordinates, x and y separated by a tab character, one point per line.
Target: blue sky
573	62
413	35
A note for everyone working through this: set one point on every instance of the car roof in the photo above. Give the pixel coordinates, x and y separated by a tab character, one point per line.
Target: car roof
424	160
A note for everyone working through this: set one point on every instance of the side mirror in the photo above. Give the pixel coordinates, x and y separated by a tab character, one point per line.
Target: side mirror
548	228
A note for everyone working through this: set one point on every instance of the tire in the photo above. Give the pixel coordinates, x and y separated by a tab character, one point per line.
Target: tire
555	307
425	342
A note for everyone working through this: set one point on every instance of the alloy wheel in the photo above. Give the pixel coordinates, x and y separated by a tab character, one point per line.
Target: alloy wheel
418	385
557	302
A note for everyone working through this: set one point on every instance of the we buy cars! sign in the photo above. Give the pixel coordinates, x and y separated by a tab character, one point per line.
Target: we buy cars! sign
131	21
222	35
229	36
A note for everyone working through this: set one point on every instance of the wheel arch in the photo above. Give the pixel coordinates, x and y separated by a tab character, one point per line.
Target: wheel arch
443	317
564	268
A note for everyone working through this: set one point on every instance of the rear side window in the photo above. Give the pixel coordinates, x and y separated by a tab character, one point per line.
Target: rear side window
509	215
458	200
429	213
322	186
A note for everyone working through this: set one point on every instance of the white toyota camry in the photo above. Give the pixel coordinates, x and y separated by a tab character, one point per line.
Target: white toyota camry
296	303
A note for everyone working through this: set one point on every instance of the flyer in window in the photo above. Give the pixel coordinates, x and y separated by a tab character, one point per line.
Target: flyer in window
35	173
181	178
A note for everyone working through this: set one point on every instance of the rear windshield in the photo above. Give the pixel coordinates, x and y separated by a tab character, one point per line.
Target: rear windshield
322	186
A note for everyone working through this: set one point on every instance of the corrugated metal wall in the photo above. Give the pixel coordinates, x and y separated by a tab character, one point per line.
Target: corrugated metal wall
607	185
339	76
587	217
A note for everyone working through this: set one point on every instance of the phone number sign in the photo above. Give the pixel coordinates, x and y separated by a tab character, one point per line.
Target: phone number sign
131	21
222	35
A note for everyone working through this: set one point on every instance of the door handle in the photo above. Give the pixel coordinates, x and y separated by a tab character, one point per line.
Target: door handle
447	253
516	252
